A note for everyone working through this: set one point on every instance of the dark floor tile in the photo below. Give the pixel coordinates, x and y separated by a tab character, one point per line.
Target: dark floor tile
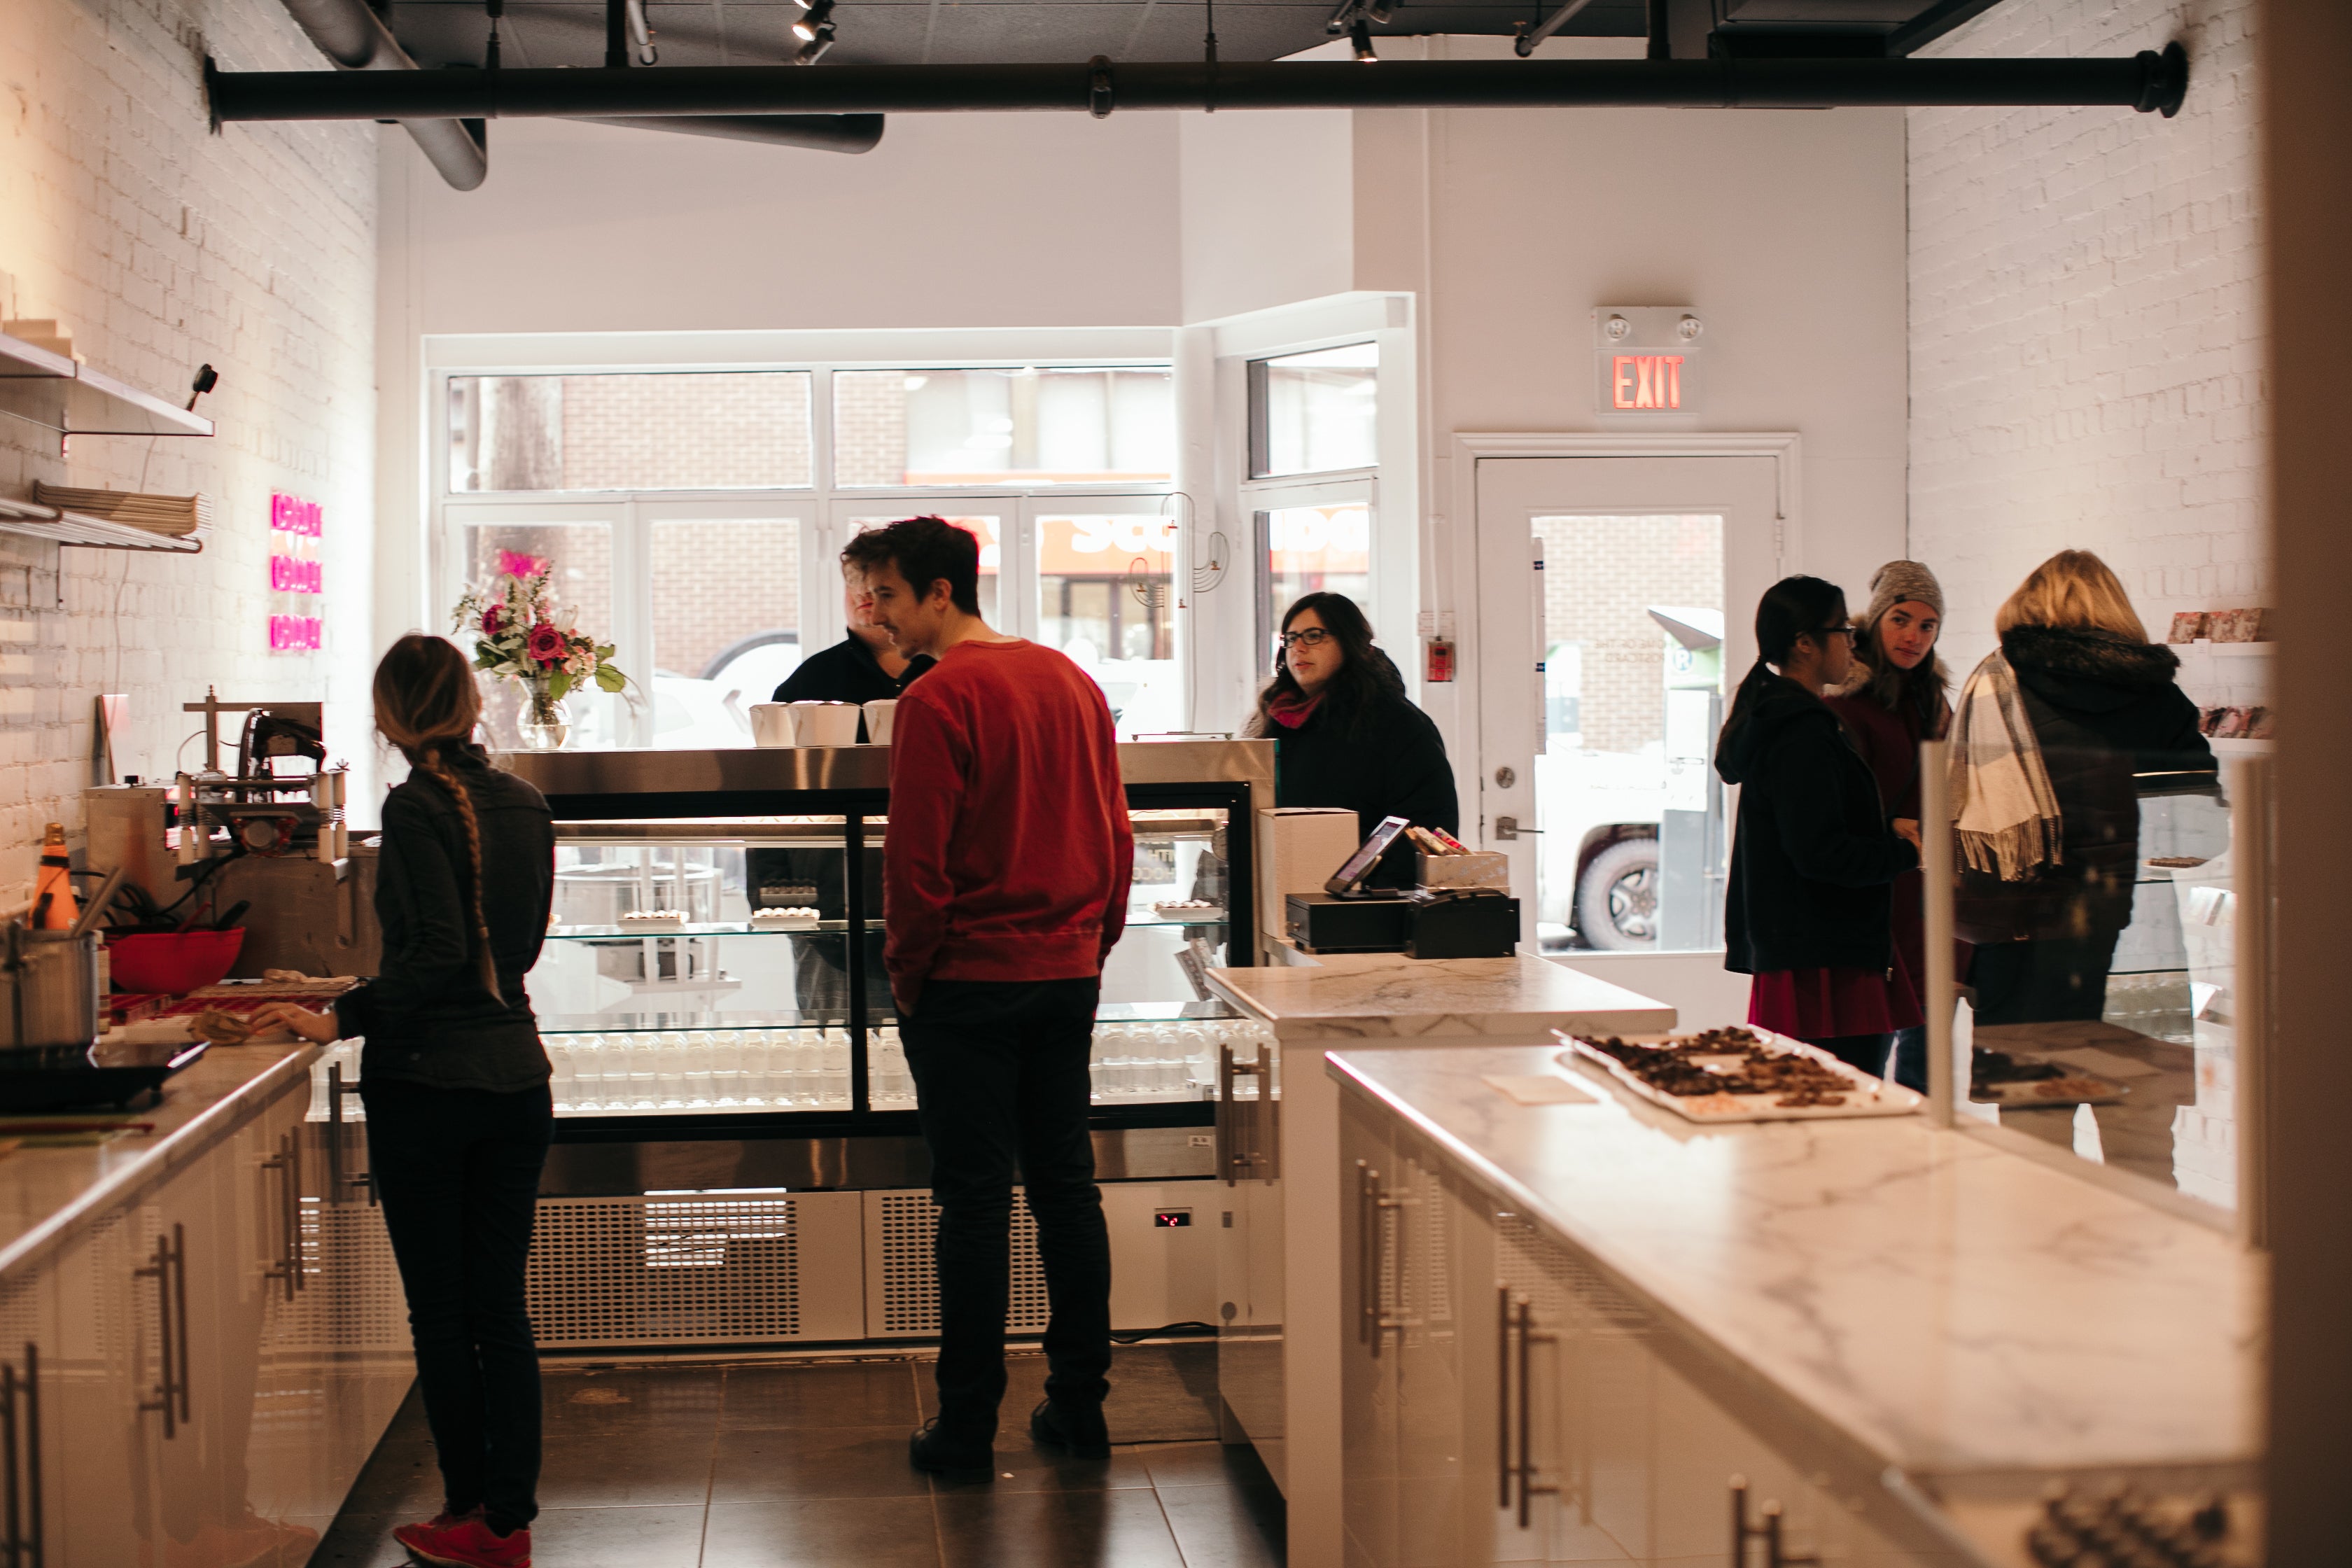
815	1462
620	1470
402	1478
1021	1466
1159	1393
836	1394
1206	1464
359	1540
579	1400
1225	1526
661	1537
981	1528
785	1532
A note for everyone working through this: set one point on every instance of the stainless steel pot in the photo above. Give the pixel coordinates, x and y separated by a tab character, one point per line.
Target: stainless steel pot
48	988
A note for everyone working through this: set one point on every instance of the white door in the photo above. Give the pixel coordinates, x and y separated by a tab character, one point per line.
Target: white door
1616	599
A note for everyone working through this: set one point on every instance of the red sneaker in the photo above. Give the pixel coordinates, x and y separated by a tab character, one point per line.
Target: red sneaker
464	1542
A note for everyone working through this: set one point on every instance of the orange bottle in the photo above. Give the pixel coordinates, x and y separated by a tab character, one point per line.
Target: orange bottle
52	895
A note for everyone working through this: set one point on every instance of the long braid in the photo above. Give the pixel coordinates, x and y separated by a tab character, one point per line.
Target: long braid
436	767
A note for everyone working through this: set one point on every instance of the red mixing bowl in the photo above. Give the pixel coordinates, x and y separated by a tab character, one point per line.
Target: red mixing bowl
174	962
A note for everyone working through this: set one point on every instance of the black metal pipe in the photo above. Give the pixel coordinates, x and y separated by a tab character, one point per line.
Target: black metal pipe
2148	81
616	35
827	133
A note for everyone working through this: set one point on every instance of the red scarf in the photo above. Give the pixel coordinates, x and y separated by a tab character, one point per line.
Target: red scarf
1290	712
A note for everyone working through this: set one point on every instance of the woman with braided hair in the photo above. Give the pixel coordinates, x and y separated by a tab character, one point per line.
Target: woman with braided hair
456	1084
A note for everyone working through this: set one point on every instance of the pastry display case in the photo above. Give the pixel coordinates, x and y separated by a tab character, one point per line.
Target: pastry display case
715	954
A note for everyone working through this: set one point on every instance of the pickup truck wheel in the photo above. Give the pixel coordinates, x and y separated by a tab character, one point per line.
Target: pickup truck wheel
1617	897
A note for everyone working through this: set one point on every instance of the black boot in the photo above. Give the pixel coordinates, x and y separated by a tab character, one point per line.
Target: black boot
948	1456
1077	1429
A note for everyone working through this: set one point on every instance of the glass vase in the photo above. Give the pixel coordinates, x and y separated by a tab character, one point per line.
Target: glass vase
545	723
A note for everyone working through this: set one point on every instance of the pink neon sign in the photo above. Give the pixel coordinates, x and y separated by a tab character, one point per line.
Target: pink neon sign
296	527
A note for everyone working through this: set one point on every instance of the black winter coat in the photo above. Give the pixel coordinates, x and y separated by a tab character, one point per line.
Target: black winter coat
427	1017
1813	859
2112	726
1391	761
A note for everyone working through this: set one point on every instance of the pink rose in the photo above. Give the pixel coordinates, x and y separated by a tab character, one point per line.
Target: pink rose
547	645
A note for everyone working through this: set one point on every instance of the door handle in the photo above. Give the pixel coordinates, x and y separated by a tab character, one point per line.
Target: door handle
287	1163
20	1456
336	1181
1509	829
169	1269
1768	1527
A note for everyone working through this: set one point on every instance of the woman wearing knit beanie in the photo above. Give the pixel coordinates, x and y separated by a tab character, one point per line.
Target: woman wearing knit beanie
1892	700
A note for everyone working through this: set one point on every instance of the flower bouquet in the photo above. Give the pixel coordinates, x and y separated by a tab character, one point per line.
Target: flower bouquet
520	635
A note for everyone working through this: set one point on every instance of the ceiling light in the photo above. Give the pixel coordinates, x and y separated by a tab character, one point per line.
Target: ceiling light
1361	36
808	53
812	24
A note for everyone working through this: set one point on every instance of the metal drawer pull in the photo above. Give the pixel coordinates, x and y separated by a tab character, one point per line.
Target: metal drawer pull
169	1269
287	1163
1530	1337
336	1181
1372	1251
1742	1532
1231	1164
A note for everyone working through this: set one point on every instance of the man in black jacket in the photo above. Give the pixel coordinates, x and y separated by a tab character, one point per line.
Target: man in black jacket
862	666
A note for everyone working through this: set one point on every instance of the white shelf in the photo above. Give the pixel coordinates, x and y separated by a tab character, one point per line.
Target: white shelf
2239	746
72	399
89	532
2227	649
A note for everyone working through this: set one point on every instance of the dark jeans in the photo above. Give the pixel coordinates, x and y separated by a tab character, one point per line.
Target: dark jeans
1867	1052
1911	1057
1002	1081
458	1172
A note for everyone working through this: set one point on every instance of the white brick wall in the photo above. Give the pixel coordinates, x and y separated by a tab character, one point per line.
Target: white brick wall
2086	334
159	246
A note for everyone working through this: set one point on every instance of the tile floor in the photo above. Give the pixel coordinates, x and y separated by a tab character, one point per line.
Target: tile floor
777	1464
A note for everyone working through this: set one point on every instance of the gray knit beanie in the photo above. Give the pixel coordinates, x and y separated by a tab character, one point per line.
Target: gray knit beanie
1899	582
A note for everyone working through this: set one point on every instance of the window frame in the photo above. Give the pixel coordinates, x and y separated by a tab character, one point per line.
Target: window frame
1258	414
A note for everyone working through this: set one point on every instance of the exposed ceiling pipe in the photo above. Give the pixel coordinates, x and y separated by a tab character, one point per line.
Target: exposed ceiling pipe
352	37
2148	82
827	133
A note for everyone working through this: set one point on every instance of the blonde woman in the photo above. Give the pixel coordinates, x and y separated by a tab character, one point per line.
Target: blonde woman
2055	739
456	1083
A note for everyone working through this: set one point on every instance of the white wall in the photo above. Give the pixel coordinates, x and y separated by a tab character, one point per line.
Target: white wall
158	245
1267	201
2086	324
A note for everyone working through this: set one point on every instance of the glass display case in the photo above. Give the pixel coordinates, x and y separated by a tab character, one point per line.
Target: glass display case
712	961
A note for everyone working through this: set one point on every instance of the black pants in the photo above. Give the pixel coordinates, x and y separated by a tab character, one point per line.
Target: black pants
2050	980
1002	1081
458	1172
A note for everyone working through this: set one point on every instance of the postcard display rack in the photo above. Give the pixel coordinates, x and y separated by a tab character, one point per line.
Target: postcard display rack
738	1158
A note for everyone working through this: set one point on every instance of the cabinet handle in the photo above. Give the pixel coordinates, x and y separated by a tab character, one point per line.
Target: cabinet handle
287	1163
1530	1337
1372	1251
336	1181
1503	1467
169	1269
1232	1163
1742	1532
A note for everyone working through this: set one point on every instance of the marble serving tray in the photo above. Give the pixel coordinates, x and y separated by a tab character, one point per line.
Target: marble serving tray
1870	1096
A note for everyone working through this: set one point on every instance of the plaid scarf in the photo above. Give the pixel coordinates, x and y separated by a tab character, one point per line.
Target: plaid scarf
2005	811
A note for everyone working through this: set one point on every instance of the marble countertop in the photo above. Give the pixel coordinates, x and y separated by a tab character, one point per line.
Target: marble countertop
1387	996
1952	1308
46	1193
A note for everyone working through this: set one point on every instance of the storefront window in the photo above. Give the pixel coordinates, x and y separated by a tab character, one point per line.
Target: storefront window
1312	550
578	557
1315	413
646	431
989	530
1106	598
1032	426
726	604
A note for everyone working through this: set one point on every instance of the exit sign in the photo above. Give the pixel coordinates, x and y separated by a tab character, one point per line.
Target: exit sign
1647	360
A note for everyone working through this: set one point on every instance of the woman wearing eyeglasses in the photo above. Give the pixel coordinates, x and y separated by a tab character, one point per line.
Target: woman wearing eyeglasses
1808	914
1345	734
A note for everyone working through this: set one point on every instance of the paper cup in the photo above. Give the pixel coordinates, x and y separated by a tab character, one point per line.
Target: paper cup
825	723
879	715
771	724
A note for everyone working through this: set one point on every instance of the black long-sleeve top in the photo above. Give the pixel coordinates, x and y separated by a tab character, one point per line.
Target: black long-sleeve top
426	1017
1391	761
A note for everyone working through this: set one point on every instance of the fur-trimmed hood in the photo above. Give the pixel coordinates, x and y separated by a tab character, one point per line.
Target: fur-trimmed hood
2085	670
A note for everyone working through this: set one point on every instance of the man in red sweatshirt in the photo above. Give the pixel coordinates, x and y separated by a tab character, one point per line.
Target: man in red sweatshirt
1006	872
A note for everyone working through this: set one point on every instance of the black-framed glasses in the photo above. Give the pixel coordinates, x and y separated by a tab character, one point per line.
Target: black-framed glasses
1847	632
1312	637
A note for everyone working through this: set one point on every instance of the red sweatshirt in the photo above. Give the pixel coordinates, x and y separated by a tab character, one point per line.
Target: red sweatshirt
1008	855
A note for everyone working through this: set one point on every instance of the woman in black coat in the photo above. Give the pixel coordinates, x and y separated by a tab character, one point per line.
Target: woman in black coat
456	1084
1345	734
1807	911
2111	726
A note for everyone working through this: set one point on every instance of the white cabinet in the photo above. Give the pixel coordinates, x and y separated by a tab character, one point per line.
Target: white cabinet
222	1353
1506	1402
1250	1272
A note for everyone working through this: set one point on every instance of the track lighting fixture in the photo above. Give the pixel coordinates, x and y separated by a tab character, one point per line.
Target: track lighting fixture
1360	37
814	22
808	53
1353	10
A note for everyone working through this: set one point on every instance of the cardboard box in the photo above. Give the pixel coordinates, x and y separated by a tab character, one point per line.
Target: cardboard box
1480	868
1298	848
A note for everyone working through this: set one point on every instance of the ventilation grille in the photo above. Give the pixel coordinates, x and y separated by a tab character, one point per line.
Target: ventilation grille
665	1270
907	1225
350	1297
